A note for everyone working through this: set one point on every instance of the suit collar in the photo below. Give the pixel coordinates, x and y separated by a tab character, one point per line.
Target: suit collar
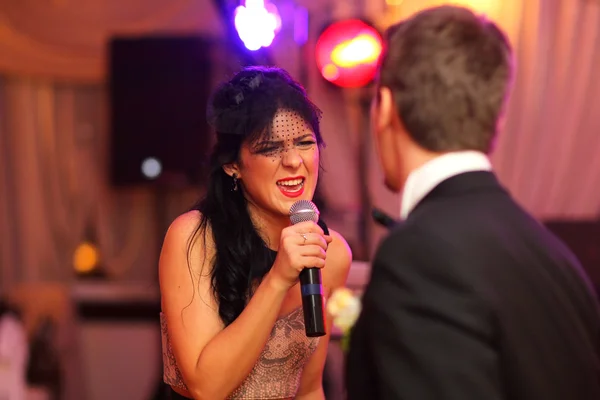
461	184
422	180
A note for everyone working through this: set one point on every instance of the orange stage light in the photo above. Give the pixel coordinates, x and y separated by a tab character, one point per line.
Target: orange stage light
347	53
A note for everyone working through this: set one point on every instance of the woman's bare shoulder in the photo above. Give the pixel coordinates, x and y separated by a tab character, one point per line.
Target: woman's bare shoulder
339	259
185	240
184	226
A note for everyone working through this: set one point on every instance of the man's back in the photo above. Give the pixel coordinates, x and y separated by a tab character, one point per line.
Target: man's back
470	298
483	302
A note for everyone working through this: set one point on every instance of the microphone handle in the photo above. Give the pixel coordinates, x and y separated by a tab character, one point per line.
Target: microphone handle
313	305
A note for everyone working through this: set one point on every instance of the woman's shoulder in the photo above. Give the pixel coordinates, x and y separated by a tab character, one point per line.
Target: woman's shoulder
185	237
339	257
339	243
185	224
186	227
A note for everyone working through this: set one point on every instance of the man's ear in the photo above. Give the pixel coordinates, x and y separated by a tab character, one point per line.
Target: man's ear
386	109
232	169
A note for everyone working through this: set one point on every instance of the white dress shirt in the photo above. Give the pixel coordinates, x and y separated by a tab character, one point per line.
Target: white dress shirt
425	178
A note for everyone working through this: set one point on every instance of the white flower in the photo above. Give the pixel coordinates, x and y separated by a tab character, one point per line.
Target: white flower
344	306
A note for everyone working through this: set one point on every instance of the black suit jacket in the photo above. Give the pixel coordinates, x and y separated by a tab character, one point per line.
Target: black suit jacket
472	299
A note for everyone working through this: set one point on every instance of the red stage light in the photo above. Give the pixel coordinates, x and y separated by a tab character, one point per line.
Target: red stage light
347	53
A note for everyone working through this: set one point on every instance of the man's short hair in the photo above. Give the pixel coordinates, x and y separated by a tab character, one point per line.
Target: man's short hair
450	72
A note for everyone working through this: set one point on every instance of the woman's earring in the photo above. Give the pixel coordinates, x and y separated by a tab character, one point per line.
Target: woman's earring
235	182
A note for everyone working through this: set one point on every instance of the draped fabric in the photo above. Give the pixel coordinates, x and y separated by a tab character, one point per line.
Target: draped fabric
548	152
53	180
66	39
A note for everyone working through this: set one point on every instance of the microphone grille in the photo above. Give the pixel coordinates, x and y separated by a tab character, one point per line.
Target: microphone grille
304	210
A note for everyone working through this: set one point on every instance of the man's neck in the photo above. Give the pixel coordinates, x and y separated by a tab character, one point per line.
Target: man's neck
413	160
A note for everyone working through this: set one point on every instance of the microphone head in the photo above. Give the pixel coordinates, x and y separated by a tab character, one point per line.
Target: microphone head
304	210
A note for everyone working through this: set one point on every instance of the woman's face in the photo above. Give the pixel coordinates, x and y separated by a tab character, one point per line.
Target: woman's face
278	170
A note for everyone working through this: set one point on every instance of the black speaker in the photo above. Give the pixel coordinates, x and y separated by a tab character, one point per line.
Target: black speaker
158	93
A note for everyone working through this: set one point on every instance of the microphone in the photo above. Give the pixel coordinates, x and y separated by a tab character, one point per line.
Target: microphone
310	277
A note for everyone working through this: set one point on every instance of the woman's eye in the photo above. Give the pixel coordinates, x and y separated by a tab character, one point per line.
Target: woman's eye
266	150
307	143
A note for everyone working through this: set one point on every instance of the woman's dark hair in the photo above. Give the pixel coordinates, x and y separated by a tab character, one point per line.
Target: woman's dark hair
242	111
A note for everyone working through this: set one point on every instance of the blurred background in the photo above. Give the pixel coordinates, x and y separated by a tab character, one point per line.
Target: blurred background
103	138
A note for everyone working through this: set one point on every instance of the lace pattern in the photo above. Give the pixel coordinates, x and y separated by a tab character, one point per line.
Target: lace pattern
277	372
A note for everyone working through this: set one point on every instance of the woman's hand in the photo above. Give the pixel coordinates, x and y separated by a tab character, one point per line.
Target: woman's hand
302	245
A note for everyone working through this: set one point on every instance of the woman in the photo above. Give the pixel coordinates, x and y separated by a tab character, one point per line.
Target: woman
232	311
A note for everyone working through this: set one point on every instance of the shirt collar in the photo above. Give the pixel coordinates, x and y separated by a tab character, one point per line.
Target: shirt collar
423	179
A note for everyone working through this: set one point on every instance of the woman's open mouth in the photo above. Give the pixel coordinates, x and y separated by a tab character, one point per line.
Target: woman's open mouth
291	187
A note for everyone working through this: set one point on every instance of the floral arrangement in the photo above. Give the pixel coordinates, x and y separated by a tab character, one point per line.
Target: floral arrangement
344	306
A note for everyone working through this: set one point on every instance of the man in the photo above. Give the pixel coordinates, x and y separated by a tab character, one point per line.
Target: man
470	298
